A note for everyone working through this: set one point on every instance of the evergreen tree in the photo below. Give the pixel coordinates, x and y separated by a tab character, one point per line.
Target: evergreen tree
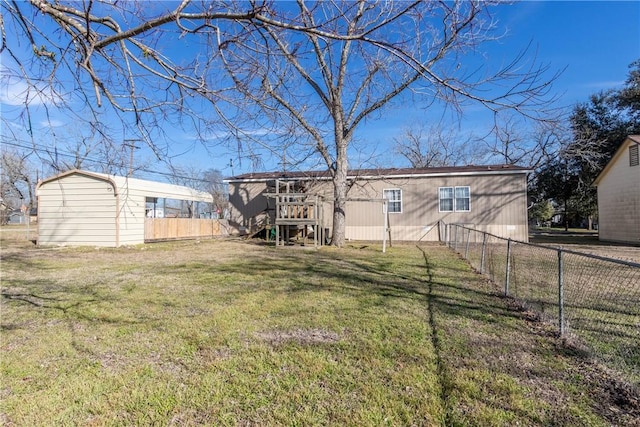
598	128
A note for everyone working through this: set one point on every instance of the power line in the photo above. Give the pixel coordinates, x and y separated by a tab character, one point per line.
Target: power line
40	149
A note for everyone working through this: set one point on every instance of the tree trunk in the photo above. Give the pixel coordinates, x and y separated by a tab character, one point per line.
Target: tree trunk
32	198
339	218
340	189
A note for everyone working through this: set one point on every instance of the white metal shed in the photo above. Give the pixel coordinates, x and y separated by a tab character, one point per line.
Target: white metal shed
79	207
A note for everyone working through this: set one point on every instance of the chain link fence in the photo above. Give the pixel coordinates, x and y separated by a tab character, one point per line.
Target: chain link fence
594	301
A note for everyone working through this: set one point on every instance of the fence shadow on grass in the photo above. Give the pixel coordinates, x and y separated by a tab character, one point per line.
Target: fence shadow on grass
502	338
593	301
294	273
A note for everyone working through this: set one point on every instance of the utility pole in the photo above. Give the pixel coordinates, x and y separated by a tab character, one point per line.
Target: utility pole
284	160
131	144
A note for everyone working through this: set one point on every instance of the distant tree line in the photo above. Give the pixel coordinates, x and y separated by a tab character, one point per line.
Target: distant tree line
597	128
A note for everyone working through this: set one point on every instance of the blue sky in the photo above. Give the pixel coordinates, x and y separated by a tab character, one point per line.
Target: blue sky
596	41
593	41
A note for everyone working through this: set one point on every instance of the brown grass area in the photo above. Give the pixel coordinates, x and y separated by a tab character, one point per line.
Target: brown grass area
586	242
231	332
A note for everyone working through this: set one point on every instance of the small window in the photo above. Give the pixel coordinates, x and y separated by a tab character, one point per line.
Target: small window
633	155
455	199
394	196
462	199
446	199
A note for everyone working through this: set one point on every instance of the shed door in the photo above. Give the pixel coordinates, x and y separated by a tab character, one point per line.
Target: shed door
77	210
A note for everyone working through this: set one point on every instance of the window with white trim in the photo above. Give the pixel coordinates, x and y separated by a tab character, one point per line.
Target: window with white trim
394	197
454	199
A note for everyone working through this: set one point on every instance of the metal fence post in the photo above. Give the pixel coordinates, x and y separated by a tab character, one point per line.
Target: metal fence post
560	293
447	232
455	238
484	244
466	250
508	269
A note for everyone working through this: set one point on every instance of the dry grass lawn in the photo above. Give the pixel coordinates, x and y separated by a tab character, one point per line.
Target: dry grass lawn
239	333
586	241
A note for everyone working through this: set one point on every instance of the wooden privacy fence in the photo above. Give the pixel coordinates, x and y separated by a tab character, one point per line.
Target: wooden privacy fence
181	228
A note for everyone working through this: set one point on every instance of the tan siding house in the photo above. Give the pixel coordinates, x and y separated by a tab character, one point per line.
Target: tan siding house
87	208
489	198
619	195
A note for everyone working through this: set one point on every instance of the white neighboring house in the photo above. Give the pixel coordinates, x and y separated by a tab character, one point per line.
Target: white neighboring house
88	208
619	194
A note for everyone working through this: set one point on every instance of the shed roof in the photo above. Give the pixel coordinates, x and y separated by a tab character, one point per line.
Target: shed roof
148	188
385	173
631	139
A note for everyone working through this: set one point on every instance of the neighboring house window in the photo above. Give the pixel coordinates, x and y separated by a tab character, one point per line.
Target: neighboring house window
634	160
455	199
394	196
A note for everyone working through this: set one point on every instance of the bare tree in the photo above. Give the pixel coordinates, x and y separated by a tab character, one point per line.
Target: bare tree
81	54
312	74
209	180
73	150
212	180
513	140
18	179
431	147
325	88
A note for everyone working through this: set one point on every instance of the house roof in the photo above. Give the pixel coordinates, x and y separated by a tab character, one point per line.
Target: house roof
148	188
631	139
384	173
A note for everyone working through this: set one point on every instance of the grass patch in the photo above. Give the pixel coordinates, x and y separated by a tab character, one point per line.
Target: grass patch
231	333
